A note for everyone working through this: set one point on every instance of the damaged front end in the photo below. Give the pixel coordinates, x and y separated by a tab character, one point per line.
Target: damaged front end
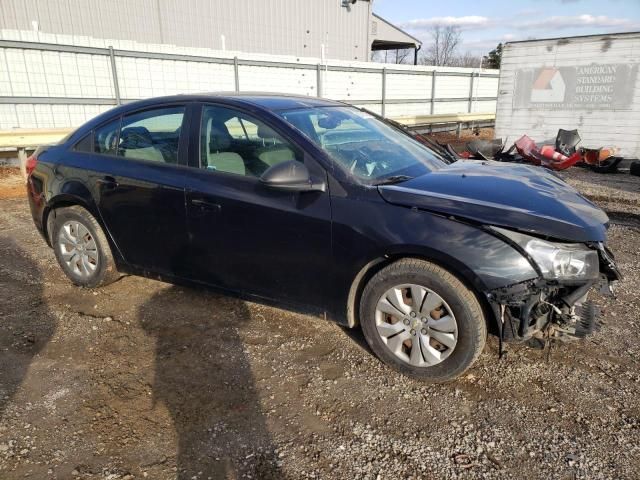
554	305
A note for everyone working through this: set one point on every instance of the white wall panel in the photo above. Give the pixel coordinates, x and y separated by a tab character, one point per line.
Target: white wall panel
47	116
405	86
407	109
352	86
610	126
452	87
282	80
30	72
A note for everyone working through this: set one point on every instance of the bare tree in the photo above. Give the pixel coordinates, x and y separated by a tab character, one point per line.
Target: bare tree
403	55
393	56
444	43
467	60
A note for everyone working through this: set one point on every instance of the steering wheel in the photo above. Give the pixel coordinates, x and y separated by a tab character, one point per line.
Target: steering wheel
363	159
360	162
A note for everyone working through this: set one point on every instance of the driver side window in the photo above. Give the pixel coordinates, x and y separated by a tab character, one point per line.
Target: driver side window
234	142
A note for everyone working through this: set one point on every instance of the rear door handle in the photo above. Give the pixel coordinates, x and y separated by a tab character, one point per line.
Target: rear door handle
108	181
205	205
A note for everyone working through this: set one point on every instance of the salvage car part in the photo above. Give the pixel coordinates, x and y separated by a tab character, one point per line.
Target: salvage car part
567	141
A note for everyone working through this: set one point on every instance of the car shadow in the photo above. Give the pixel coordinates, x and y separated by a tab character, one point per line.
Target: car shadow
26	325
204	378
357	336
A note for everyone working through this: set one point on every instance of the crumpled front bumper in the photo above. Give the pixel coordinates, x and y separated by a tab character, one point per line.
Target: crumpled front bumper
545	308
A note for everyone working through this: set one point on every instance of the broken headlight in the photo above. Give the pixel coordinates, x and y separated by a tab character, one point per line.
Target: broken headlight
557	261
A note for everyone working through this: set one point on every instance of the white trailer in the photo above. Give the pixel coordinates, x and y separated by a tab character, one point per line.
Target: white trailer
588	83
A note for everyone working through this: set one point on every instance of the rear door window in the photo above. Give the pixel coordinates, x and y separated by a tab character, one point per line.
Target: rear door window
105	139
152	135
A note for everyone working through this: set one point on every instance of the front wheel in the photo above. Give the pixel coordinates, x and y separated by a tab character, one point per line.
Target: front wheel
421	320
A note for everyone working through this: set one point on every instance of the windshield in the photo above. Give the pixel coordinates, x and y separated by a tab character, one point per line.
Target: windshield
363	145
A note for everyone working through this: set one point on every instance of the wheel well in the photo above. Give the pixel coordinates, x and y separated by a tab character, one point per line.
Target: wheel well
48	217
373	267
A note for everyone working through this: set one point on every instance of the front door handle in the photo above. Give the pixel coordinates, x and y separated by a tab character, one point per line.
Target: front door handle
205	205
108	181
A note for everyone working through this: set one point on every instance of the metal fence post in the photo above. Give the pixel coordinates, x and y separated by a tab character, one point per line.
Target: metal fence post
114	72
471	92
384	91
236	74
319	80
433	91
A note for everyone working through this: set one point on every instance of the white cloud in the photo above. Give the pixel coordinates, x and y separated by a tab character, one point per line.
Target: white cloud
465	22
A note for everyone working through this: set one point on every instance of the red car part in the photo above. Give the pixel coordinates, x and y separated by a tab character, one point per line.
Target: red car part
545	156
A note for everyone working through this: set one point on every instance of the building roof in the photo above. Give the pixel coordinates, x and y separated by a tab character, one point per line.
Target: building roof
576	37
387	36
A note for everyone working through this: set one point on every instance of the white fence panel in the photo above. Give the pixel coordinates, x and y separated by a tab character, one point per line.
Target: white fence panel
35	78
410	87
273	79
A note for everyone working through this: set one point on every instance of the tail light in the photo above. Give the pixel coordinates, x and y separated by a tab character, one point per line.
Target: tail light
31	163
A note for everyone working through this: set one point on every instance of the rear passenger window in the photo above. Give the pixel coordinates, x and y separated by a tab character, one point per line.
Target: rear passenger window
105	139
85	144
152	135
241	129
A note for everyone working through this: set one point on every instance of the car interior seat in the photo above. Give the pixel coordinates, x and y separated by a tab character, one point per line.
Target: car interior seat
272	151
136	142
218	141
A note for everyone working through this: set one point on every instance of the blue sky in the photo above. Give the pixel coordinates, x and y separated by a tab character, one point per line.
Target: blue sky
484	23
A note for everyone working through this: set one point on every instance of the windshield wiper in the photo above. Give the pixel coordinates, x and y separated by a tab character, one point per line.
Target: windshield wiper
393	179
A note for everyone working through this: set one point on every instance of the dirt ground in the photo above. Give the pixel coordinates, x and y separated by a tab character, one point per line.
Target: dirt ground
11	182
142	379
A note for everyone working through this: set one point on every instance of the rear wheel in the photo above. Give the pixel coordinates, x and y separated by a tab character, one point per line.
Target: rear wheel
81	248
422	321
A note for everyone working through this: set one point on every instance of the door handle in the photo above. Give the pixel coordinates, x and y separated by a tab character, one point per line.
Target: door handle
205	205
108	181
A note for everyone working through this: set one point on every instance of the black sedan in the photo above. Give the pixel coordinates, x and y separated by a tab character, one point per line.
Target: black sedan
316	204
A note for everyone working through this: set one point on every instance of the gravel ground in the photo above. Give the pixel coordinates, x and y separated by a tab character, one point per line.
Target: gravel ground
142	379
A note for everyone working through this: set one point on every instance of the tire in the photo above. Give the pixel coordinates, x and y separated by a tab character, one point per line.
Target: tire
634	169
77	223
467	338
610	165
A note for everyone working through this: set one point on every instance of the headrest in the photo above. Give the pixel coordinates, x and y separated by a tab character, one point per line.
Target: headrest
266	132
135	137
219	139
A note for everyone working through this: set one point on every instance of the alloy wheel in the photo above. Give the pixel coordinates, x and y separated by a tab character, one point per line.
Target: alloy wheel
416	325
78	248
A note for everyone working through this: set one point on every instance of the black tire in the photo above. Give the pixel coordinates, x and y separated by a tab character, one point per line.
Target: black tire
472	328
610	165
634	169
105	271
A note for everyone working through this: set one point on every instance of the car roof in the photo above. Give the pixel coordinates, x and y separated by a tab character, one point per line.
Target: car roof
268	101
254	100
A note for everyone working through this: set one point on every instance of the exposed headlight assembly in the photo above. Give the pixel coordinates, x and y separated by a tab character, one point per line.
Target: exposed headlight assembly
558	261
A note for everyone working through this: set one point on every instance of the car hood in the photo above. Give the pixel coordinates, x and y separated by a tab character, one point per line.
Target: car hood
521	197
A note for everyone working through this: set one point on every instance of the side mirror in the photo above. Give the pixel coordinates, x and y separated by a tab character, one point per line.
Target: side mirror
292	176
